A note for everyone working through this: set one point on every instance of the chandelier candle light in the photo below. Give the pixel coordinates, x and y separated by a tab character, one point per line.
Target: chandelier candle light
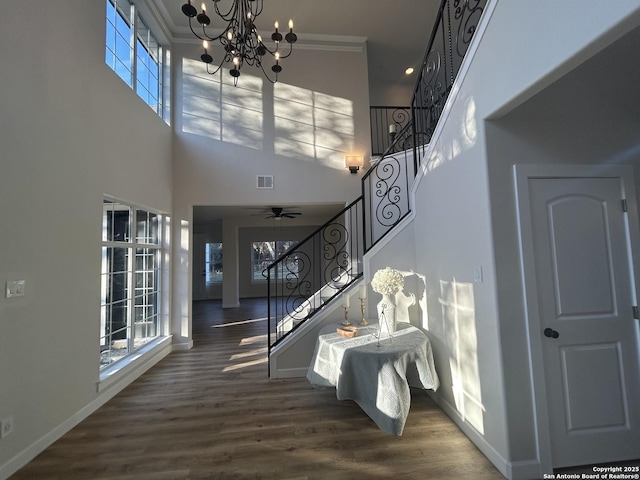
239	39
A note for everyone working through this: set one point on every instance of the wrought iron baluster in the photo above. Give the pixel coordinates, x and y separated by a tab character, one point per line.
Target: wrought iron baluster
330	258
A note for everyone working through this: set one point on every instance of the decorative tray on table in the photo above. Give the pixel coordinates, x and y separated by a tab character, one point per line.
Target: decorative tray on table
347	331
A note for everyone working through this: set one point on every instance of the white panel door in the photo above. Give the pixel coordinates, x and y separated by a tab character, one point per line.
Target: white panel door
589	335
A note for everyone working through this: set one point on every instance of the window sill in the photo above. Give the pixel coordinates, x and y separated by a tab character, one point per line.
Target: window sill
142	359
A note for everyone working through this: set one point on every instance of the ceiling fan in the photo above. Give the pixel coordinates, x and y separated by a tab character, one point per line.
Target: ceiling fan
278	213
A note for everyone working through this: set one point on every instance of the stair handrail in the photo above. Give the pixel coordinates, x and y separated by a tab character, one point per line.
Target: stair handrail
338	248
447	47
385	188
380	191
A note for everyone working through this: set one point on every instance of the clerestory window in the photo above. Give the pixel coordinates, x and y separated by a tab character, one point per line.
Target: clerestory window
133	52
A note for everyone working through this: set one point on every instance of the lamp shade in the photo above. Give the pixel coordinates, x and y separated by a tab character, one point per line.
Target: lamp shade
353	162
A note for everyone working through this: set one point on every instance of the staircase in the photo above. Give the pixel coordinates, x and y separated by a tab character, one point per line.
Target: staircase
312	274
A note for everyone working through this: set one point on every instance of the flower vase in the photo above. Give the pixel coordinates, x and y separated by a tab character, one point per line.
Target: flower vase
387	313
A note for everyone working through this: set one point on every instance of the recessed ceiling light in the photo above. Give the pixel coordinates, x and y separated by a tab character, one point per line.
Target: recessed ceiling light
408	71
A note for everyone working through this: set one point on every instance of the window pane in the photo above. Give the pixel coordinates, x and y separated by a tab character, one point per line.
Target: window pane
213	262
107	220
154	229
147	227
263	256
142	226
130	280
142	57
118	259
265	253
121	223
111	13
119	39
282	247
110	59
146	259
142	93
148	65
115	222
119	316
121	52
122	23
123	72
110	36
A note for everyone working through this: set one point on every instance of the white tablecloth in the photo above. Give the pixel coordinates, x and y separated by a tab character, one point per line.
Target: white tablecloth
376	377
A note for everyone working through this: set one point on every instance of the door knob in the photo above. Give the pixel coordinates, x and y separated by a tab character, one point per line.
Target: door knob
551	333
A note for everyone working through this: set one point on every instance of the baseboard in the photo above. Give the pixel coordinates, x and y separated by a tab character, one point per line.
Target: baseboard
298	372
525	470
183	347
520	470
108	390
479	441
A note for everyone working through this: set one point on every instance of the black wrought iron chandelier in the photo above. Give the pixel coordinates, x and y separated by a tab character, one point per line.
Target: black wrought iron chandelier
240	40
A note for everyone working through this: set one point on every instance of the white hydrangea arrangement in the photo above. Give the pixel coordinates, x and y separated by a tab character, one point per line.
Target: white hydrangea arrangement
387	281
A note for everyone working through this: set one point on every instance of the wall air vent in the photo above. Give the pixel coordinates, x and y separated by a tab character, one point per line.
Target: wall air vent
264	182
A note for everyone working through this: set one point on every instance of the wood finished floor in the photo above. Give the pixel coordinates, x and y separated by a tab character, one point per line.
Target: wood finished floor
212	413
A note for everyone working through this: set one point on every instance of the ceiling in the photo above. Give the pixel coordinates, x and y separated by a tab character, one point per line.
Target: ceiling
396	31
311	213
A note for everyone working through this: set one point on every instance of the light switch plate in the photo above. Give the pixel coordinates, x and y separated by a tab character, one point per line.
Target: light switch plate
15	288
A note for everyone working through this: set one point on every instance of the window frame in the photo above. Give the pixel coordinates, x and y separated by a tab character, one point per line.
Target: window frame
127	12
140	269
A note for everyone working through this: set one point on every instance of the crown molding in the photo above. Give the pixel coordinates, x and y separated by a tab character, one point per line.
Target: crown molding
181	34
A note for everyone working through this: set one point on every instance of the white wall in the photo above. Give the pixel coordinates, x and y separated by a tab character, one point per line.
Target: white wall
477	329
63	145
397	95
563	124
297	130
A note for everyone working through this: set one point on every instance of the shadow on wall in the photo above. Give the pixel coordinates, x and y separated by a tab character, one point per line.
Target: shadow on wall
307	124
460	341
455	336
462	138
410	301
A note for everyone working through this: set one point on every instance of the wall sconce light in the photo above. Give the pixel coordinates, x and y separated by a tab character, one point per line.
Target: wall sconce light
353	162
393	130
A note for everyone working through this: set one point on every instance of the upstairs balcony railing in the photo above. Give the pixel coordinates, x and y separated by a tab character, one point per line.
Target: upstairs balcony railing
452	33
310	275
386	123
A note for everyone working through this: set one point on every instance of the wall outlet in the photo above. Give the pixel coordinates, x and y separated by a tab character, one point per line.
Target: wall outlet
6	427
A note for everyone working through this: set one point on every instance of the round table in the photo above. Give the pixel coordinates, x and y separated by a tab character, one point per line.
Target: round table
375	372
